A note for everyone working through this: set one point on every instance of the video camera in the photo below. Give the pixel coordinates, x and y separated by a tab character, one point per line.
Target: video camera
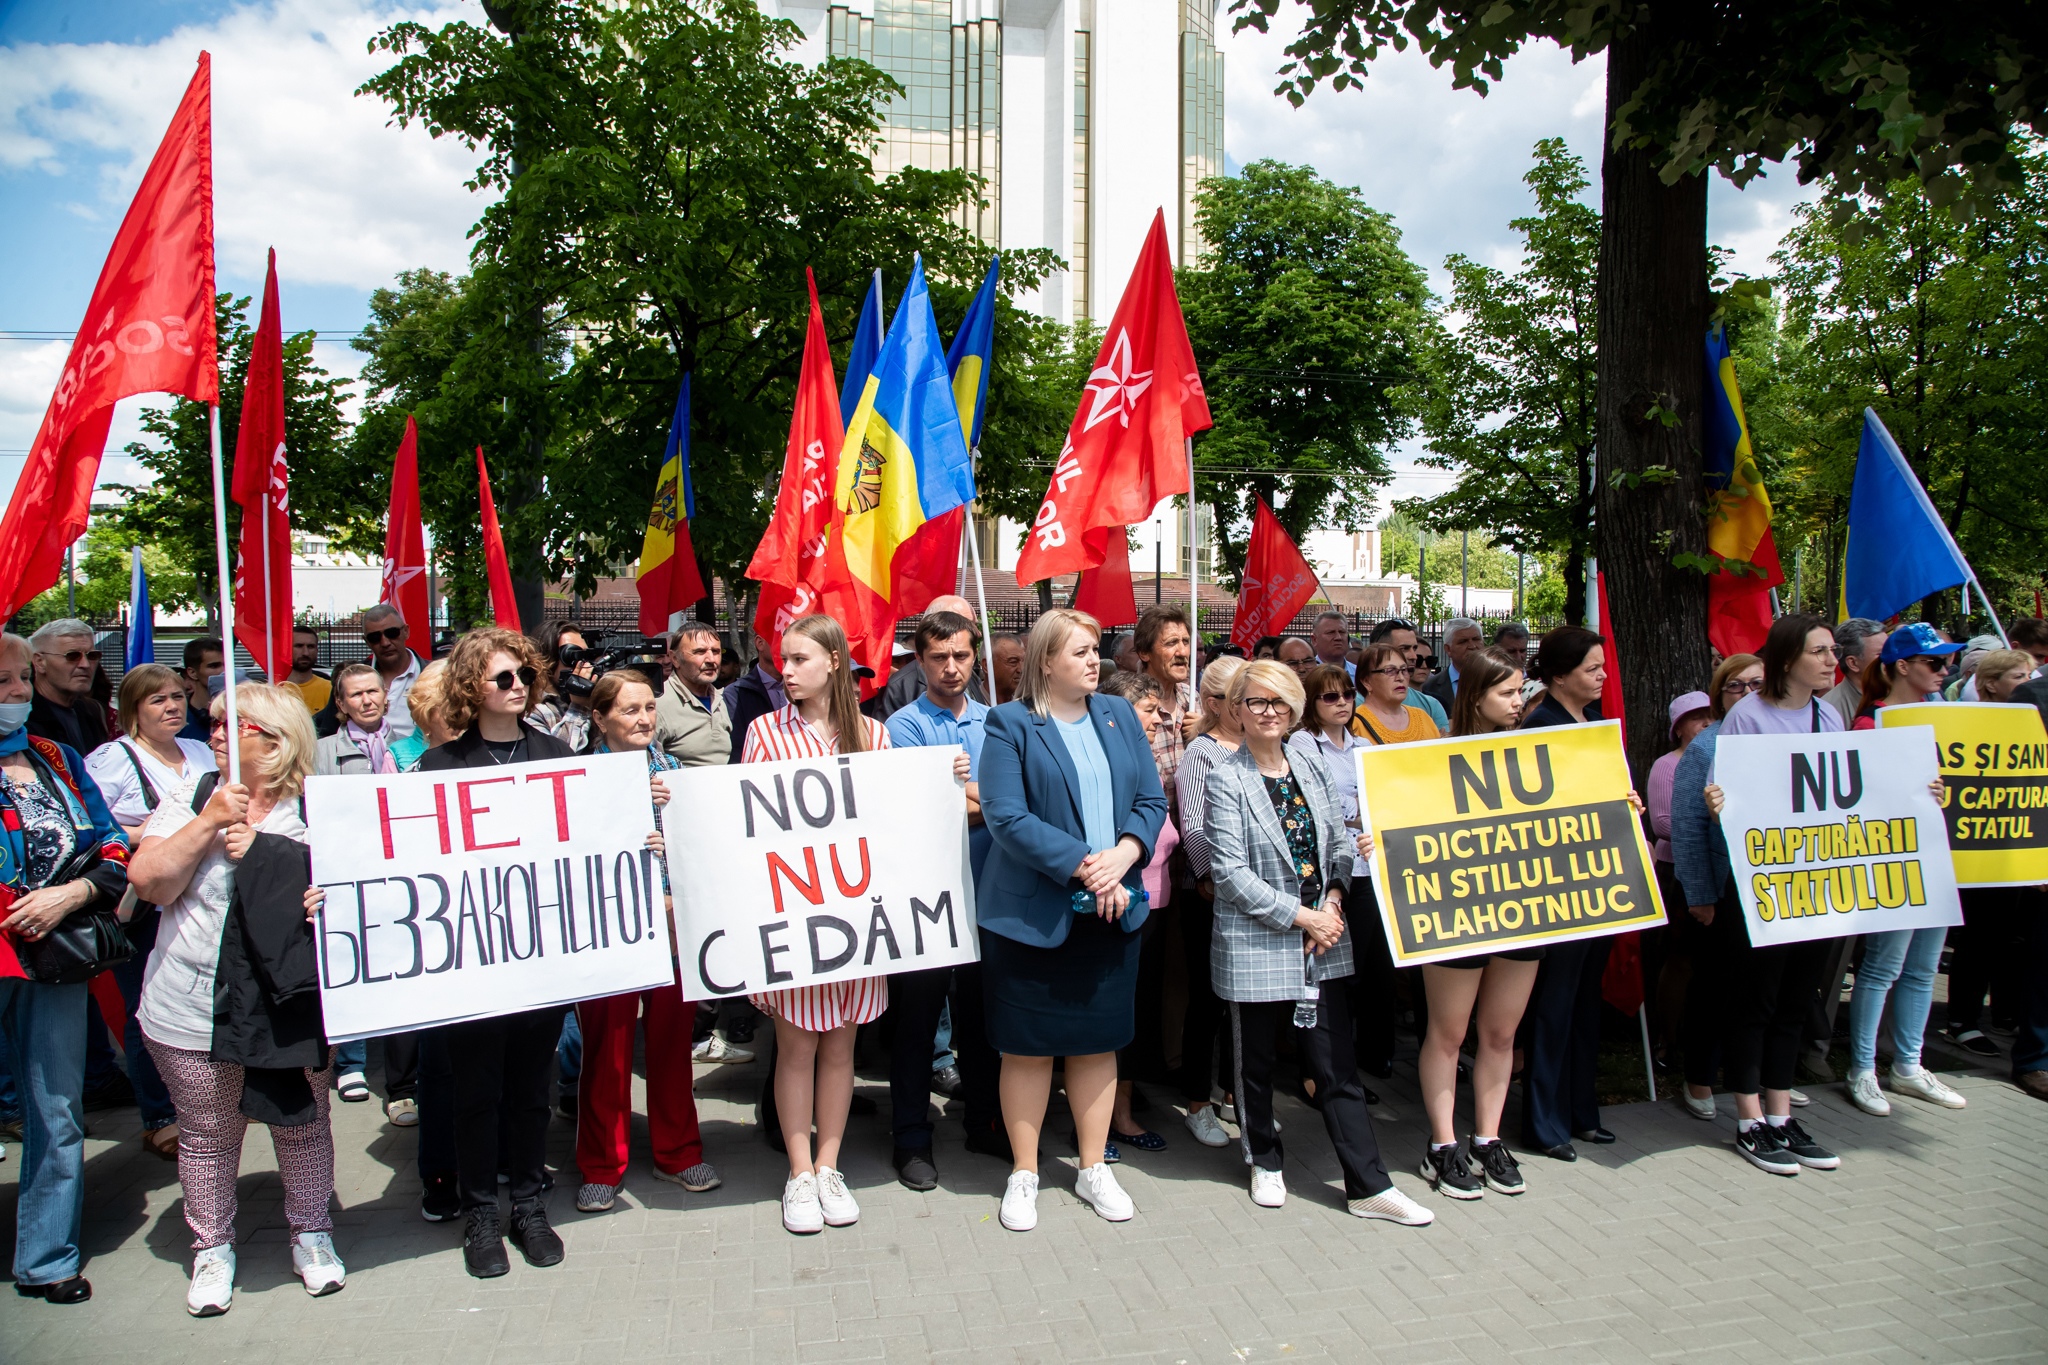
630	650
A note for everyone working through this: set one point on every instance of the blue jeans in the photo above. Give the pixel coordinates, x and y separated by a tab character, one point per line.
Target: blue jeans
351	1057
46	1026
1907	957
569	1054
2030	1046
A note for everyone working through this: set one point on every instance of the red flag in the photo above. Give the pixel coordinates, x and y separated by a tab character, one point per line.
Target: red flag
263	561
928	564
1125	449
1277	582
1610	694
504	608
405	552
1104	592
148	329
1739	605
790	563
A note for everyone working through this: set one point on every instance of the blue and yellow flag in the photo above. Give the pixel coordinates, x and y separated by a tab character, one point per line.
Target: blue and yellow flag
972	354
860	360
1899	548
905	458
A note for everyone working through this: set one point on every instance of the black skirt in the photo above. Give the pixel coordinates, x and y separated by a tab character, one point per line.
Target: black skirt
1075	1000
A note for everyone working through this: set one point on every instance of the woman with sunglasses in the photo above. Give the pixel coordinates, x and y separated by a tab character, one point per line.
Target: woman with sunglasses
1385	715
500	1065
1281	859
814	1025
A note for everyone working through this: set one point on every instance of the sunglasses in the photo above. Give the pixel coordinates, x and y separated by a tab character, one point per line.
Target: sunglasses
1738	685
76	656
505	681
1393	672
248	729
1332	698
1396	623
371	637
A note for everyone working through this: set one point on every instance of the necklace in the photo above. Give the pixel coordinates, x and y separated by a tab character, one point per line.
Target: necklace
511	752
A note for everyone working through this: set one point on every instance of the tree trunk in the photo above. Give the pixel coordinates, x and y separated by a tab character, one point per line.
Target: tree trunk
1574	586
1653	307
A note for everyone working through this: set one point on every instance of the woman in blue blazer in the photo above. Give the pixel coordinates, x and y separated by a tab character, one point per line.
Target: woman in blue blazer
1071	798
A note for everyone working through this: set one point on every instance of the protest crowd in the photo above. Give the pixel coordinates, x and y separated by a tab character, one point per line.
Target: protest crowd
1171	877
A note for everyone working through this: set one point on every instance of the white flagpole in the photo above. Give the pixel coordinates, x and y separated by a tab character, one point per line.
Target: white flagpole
227	599
988	626
269	633
1194	591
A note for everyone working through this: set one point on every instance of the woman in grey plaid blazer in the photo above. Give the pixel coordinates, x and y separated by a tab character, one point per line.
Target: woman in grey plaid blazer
1281	861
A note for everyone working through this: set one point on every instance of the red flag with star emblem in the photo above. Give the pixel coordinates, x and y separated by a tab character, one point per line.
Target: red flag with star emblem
1276	583
405	551
1126	447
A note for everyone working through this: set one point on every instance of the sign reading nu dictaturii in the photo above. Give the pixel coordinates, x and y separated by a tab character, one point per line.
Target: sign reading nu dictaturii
814	870
1834	834
1503	841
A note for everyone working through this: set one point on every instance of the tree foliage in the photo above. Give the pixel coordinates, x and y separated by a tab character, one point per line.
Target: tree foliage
1512	406
1310	323
103	571
667	173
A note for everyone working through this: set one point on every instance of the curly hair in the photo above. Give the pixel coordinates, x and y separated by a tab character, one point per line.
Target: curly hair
464	691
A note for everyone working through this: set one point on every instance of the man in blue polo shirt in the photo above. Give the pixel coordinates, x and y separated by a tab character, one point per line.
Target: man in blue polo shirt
946	717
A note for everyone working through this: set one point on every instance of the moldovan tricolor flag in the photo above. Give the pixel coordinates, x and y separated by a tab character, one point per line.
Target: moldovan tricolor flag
263	561
504	608
1739	526
1126	447
1277	582
405	550
790	563
668	581
148	329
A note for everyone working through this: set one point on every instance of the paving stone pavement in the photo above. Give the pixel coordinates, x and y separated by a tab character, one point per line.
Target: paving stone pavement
1931	1243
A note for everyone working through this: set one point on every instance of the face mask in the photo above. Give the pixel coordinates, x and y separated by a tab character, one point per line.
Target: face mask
13	715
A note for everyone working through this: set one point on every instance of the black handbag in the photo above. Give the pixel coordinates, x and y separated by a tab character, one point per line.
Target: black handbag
84	943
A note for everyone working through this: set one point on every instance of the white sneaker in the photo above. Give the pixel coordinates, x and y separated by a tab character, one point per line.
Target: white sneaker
1204	1125
213	1282
314	1261
1097	1185
1800	1099
1020	1201
1699	1109
1864	1094
716	1049
1395	1207
1925	1085
1269	1188
800	1209
835	1200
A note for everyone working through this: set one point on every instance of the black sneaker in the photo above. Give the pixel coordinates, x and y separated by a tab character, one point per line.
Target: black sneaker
483	1244
439	1200
1447	1169
915	1169
1503	1174
1801	1147
540	1244
1763	1148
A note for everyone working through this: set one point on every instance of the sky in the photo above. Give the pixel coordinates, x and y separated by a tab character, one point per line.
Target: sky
348	200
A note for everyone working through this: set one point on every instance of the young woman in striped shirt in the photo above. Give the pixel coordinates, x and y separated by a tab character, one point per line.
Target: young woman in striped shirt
814	1025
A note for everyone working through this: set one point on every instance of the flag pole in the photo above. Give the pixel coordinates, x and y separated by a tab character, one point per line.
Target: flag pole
227	601
988	626
269	620
1194	590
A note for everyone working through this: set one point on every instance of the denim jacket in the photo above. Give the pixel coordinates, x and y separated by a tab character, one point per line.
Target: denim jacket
63	772
1698	852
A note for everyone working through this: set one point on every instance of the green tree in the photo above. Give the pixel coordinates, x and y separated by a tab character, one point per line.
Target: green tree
103	580
174	511
666	175
1310	323
1513	406
1861	96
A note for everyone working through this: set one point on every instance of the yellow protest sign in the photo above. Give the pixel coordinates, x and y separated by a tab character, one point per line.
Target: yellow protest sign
1503	841
1994	762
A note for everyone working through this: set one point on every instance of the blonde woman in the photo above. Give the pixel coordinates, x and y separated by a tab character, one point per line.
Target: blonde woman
191	850
1072	799
1216	739
814	1025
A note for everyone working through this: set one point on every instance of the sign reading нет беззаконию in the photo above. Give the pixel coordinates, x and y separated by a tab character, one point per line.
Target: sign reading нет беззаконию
1833	834
484	891
1994	766
1508	840
814	870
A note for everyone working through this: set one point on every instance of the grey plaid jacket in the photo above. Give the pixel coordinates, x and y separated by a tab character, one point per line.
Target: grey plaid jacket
1257	953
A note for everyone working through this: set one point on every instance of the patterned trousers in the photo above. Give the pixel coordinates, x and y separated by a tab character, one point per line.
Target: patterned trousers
208	1095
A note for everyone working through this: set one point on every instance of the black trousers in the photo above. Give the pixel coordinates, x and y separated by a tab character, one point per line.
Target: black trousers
1986	956
1327	1058
1561	1042
436	1099
1202	1026
1774	991
1715	950
401	1066
915	999
1374	1006
500	1068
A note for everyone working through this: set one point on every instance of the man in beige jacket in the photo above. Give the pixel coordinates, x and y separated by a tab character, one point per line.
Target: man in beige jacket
690	720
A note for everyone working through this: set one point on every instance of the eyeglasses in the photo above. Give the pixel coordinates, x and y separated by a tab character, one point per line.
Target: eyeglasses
246	728
1825	652
1739	685
1393	672
372	637
1264	706
504	681
1333	698
75	657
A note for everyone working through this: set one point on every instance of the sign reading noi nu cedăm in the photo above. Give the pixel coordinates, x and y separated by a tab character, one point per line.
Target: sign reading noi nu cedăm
484	891
815	870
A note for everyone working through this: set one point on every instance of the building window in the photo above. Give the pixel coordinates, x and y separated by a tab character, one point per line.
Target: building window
1201	116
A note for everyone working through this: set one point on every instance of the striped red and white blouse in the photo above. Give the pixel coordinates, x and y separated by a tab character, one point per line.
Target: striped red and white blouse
816	1009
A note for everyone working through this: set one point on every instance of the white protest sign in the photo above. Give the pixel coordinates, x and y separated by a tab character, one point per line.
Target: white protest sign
815	870
484	891
1834	834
